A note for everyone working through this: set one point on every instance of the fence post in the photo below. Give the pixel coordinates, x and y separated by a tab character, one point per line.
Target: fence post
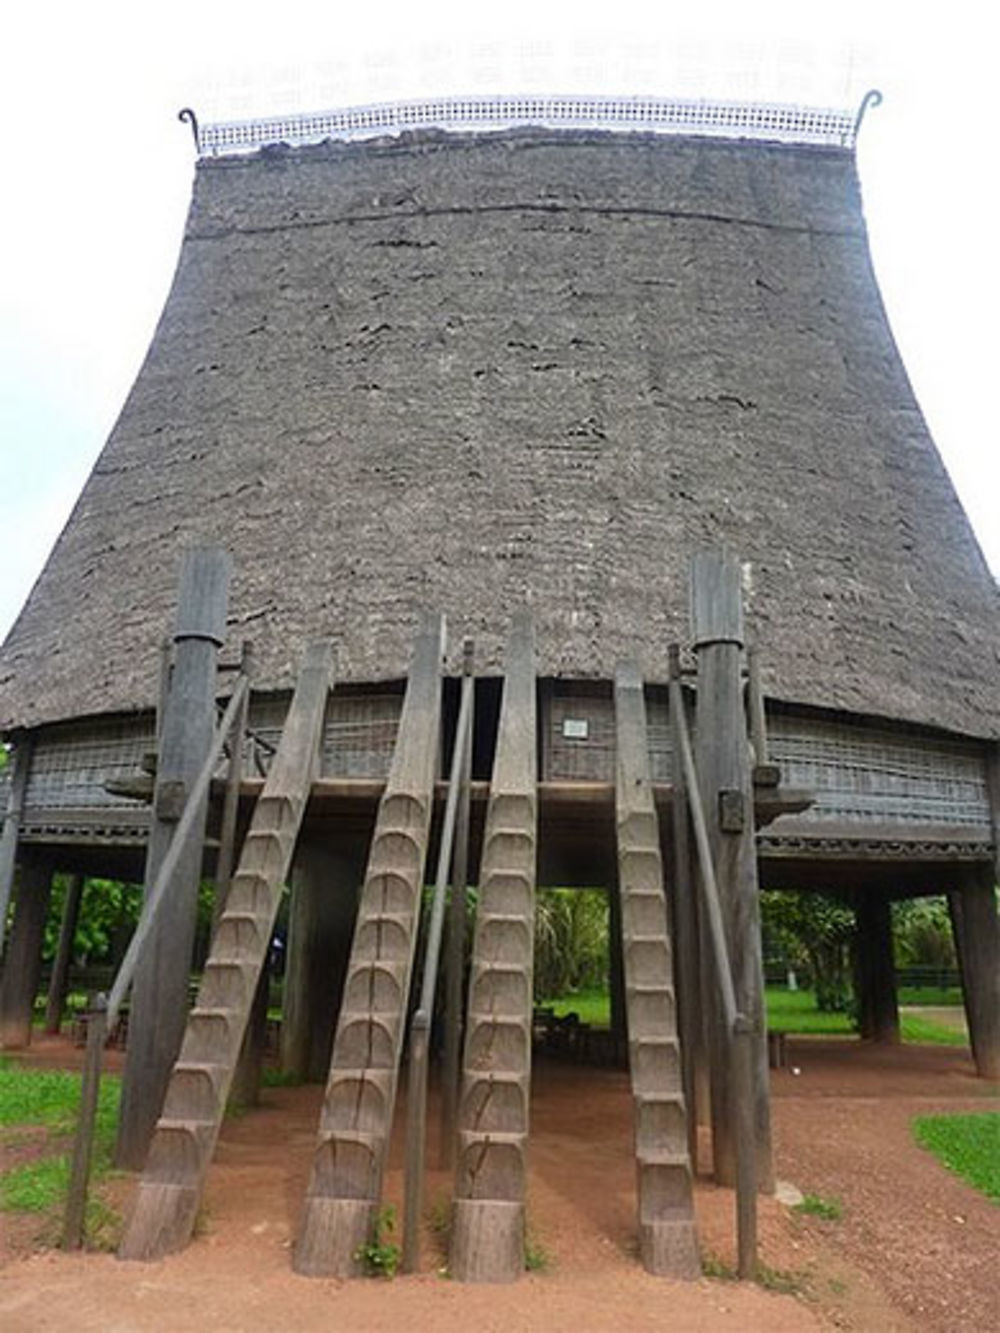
83	1144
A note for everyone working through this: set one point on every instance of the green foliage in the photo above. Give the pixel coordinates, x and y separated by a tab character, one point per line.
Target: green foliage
380	1256
814	933
969	1145
571	940
780	1280
536	1257
713	1266
109	911
814	1205
921	930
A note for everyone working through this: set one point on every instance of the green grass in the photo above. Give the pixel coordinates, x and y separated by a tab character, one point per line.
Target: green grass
814	1205
32	1099
969	1145
936	995
591	1006
923	1031
787	1011
795	1011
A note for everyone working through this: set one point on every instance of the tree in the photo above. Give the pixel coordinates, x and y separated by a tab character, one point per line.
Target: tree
814	933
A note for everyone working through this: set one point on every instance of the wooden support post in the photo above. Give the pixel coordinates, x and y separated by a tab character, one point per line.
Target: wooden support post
59	981
23	963
616	975
977	943
875	968
455	949
878	1010
724	771
324	903
685	921
245	1089
21	766
160	993
76	1197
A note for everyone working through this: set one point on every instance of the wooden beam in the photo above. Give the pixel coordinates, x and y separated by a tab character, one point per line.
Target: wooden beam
724	770
159	1004
59	980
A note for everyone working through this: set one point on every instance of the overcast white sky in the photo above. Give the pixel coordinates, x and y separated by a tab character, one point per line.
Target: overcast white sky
97	177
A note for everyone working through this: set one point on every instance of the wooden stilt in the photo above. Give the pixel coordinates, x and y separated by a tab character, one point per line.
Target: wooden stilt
724	772
21	765
160	1001
22	965
322	911
59	980
977	940
878	1010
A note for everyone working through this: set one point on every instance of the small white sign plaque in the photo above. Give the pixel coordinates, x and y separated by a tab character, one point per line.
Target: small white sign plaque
575	728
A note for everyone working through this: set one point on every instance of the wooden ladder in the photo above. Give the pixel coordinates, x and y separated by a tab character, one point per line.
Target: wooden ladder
169	1192
345	1184
487	1234
668	1242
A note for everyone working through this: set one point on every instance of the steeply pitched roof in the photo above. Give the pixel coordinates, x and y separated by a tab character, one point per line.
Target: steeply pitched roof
465	370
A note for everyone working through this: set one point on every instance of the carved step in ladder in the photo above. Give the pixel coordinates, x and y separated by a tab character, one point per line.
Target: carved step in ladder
170	1188
356	1120
668	1242
487	1234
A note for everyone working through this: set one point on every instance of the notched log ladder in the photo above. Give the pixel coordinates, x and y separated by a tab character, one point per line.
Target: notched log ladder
668	1241
356	1120
170	1189
487	1234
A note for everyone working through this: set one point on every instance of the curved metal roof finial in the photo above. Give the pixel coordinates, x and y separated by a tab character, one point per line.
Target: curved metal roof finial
871	98
187	115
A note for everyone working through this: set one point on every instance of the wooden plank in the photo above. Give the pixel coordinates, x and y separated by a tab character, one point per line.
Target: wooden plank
487	1232
345	1182
668	1242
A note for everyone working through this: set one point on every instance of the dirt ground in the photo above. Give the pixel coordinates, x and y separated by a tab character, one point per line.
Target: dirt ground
915	1249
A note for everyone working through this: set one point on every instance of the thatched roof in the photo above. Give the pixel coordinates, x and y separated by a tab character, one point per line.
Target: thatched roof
462	370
